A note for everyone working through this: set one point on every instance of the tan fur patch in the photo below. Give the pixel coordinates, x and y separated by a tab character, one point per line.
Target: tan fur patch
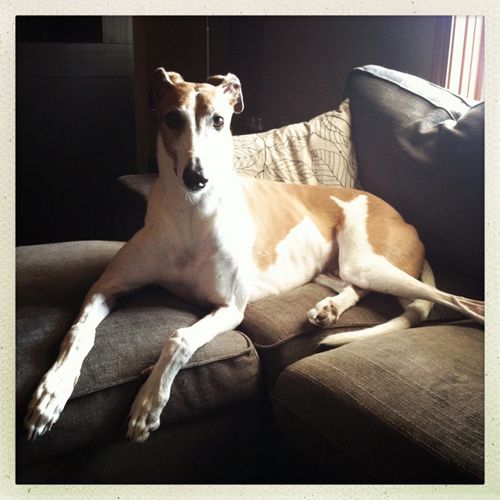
177	95
183	94
204	103
391	237
278	207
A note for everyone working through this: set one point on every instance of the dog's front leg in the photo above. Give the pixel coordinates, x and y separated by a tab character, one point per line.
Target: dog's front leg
58	383
178	349
127	271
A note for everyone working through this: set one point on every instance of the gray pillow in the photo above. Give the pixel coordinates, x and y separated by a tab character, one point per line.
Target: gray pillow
421	148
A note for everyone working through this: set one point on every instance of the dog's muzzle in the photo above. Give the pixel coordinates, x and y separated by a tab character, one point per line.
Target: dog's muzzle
193	177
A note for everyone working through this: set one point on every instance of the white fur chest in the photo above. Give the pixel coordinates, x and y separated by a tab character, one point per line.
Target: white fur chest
205	254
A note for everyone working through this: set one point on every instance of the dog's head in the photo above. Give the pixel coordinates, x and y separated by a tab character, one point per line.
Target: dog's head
194	124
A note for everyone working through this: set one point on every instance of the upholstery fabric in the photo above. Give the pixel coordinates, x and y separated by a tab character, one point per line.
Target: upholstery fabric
222	373
70	268
319	151
279	318
223	447
421	148
407	406
280	331
279	328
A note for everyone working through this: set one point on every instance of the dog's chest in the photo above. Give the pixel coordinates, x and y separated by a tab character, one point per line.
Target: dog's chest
201	268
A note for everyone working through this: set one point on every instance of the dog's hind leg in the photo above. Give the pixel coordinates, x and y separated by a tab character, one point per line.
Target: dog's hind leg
362	266
414	313
327	311
380	275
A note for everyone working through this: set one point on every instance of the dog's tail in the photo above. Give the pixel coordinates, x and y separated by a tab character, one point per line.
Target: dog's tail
415	312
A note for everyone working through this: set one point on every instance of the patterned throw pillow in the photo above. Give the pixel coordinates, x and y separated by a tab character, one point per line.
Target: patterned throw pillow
319	151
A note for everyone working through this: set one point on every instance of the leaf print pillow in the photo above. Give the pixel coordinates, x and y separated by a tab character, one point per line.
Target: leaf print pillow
319	151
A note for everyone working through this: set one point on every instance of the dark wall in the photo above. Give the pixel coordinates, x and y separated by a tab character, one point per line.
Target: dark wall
74	125
294	68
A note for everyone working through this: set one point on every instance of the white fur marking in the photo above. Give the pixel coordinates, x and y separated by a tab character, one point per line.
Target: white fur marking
58	383
155	393
300	256
354	247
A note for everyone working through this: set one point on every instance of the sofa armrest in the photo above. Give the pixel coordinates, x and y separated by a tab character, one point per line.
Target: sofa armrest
131	198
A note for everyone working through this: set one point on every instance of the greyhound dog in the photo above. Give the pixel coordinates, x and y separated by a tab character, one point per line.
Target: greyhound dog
220	241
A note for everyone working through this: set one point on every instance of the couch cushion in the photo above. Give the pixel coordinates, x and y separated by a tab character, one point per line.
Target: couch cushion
421	148
61	273
279	328
407	406
225	372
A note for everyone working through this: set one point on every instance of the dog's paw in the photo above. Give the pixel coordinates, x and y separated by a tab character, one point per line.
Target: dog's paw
144	416
323	314
48	401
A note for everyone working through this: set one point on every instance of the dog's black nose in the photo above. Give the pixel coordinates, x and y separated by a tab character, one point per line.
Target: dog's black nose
193	177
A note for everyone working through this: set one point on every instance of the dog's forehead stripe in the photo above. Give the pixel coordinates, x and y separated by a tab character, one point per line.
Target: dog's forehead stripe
205	103
179	95
201	98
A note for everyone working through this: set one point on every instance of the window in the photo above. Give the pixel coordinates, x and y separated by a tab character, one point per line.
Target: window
465	71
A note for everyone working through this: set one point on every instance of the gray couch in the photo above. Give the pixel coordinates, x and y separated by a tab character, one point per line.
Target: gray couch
261	404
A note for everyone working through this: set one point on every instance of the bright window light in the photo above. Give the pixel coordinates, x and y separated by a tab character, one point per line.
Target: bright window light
465	72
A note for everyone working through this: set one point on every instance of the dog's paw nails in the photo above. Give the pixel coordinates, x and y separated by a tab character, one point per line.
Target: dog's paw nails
40	420
144	416
138	436
141	426
323	316
47	403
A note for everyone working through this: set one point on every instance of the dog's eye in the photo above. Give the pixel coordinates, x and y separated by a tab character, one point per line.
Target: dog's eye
173	120
218	122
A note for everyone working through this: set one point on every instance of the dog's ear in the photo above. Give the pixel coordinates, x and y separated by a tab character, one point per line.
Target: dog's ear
230	85
160	82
